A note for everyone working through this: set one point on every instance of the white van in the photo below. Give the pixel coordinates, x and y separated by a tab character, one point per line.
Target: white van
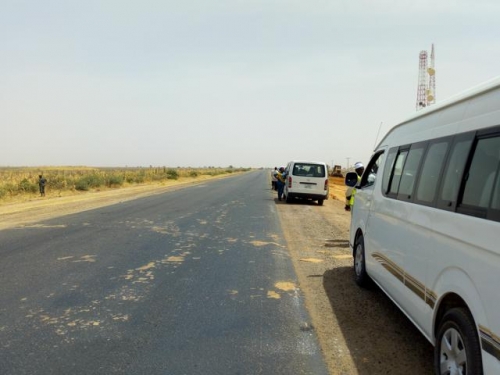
426	227
306	180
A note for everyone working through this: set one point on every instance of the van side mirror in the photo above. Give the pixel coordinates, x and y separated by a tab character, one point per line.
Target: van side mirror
351	179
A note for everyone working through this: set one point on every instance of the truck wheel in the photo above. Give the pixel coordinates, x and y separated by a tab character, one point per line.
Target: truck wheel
457	349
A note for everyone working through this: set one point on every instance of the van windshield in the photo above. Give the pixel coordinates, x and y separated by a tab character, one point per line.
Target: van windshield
309	170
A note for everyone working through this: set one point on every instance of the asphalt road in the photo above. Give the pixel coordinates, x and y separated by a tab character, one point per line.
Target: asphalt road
194	281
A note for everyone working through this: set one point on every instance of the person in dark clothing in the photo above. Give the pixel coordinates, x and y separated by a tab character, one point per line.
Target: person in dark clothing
41	183
280	182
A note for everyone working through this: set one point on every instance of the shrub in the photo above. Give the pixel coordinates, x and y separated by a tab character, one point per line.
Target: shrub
26	186
115	180
172	174
193	174
90	181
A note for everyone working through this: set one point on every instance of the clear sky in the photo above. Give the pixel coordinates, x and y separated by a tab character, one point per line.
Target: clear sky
225	82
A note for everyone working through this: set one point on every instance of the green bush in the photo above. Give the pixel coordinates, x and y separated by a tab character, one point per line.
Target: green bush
25	186
88	182
115	181
172	174
193	174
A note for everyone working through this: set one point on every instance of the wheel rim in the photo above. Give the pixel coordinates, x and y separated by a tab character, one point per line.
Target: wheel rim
358	260
453	356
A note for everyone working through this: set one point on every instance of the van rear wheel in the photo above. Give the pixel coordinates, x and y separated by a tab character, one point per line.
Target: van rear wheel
360	275
320	202
457	349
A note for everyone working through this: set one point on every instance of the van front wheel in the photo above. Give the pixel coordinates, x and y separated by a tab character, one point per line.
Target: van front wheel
360	275
457	349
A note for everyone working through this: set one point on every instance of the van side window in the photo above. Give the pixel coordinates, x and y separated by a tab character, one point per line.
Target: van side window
389	164
397	172
482	175
431	172
453	173
410	171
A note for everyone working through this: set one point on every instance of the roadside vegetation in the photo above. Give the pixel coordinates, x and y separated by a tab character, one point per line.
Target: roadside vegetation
22	182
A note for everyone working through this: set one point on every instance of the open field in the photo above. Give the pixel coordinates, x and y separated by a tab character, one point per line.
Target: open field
21	184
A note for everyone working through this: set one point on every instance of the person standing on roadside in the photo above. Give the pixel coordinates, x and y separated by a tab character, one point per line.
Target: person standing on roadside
351	191
41	183
273	178
280	182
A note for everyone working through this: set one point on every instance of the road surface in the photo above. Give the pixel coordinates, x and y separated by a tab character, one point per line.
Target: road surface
193	281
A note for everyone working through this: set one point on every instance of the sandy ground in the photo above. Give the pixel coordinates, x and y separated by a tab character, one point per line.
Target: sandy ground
360	331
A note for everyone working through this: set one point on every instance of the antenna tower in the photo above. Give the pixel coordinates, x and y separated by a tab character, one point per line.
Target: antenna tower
431	93
426	90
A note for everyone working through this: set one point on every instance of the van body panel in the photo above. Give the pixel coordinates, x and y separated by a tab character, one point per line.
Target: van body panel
422	252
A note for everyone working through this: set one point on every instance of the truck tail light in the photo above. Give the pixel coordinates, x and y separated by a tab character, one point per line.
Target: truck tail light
289	182
326	184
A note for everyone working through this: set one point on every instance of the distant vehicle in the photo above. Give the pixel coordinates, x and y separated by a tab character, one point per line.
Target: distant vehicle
337	171
306	180
425	227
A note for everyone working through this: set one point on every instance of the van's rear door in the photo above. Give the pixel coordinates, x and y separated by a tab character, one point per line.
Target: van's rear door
308	178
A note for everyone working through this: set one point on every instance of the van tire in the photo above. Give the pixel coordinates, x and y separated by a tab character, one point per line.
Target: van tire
320	202
288	198
459	324
360	275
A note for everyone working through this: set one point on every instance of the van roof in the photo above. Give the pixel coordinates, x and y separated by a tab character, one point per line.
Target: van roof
307	161
464	96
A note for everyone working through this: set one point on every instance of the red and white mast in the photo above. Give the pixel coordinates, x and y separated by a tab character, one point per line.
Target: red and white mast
426	91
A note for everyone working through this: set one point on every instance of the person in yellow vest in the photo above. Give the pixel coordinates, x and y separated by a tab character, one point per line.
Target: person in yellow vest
280	182
273	178
351	191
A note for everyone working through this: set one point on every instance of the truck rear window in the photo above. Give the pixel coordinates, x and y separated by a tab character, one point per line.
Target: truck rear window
309	170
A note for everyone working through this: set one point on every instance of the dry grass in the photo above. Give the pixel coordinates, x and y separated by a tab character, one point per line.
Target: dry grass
337	188
21	184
